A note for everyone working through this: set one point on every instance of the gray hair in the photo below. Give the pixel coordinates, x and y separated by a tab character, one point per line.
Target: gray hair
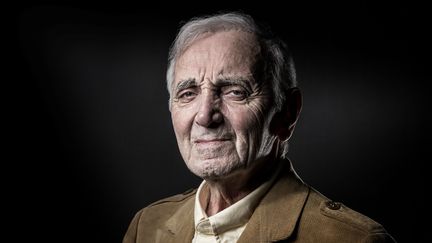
278	66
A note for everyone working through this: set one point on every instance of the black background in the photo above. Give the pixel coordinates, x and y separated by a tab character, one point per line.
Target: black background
92	140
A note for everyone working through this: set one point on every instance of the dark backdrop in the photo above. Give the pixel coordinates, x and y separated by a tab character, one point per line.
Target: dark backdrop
94	138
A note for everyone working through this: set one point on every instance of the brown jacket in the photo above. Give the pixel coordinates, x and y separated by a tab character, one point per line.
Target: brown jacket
290	212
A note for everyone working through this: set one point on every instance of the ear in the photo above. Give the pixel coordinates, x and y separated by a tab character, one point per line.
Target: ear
284	121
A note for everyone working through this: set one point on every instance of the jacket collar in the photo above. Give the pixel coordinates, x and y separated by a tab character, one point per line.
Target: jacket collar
277	214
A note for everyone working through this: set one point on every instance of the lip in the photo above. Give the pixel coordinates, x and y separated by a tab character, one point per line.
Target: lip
213	140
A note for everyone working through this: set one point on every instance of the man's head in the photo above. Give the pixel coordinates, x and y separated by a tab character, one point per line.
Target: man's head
231	95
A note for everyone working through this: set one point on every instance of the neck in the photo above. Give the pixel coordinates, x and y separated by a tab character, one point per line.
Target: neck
227	191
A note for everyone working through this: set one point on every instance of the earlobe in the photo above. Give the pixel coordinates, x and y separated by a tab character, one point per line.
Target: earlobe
284	121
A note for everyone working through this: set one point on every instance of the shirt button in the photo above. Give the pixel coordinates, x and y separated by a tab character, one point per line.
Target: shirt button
204	227
333	205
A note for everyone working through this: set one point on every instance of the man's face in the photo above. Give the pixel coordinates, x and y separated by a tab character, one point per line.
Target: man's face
220	112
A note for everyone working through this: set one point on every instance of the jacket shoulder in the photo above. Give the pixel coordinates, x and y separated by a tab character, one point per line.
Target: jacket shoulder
161	210
147	222
164	208
340	212
342	222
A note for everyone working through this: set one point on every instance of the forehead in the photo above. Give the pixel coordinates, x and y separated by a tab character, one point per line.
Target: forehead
219	53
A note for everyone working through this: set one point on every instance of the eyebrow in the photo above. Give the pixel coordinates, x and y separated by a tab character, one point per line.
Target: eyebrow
222	81
184	84
235	80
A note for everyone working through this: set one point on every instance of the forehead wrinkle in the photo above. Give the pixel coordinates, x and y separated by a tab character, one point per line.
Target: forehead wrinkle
247	77
220	58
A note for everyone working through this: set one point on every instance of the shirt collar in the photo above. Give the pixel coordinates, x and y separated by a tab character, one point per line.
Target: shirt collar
231	217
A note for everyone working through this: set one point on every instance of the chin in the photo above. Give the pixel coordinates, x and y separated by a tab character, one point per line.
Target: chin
214	169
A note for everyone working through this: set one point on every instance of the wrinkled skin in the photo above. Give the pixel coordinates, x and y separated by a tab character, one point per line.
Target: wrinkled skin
220	109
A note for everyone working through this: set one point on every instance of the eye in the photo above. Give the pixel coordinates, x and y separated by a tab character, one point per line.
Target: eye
235	93
186	96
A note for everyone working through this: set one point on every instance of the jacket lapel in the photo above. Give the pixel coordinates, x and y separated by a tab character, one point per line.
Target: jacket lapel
276	216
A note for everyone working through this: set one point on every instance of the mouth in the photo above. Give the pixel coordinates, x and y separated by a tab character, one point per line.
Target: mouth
210	141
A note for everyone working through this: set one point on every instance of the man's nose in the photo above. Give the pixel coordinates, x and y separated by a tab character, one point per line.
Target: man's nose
209	114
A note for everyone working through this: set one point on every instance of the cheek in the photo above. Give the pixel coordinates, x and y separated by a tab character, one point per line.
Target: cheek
182	122
245	124
250	117
179	126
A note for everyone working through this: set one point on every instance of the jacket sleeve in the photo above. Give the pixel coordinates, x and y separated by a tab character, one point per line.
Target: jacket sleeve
379	238
131	233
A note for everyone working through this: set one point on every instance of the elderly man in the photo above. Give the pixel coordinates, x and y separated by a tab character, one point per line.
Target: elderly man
234	105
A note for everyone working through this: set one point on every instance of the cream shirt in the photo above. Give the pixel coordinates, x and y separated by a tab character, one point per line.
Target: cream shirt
227	225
